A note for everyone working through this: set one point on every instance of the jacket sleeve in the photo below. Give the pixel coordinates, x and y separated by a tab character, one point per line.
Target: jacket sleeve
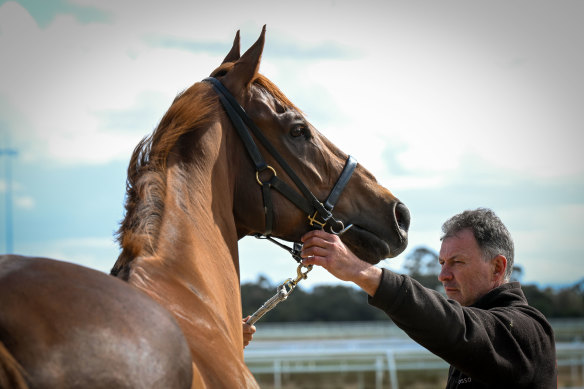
499	343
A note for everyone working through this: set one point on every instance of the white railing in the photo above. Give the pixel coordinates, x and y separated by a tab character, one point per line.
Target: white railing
359	347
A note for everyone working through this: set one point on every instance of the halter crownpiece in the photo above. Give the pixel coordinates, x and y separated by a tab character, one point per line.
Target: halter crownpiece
319	214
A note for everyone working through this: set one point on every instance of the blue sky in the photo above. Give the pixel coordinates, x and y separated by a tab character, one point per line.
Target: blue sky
452	105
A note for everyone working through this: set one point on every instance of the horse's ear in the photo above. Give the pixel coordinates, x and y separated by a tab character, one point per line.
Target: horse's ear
246	67
233	54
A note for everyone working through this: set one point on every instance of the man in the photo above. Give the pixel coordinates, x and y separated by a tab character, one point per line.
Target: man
486	330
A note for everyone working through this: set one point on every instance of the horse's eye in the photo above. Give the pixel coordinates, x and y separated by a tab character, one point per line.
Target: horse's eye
298	130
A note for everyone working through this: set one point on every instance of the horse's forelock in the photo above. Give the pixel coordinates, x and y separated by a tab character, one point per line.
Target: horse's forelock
272	89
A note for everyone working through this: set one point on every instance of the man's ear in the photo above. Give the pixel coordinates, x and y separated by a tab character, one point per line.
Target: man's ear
499	265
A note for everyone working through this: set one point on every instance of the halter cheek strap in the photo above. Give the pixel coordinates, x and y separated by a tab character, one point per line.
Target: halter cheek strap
319	214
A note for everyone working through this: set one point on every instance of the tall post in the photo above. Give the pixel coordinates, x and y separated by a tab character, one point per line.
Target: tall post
8	153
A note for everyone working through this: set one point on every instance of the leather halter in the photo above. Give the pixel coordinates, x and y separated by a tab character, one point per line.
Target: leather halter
319	214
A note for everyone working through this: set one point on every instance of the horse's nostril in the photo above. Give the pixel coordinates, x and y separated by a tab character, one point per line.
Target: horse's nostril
402	216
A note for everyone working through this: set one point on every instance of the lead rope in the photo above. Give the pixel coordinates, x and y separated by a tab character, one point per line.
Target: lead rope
284	290
282	293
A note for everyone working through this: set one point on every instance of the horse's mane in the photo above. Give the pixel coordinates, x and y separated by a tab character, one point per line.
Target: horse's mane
195	108
146	182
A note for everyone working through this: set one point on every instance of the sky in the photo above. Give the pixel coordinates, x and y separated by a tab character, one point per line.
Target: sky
452	105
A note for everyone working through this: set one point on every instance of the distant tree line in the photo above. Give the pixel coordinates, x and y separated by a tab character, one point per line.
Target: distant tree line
322	303
347	303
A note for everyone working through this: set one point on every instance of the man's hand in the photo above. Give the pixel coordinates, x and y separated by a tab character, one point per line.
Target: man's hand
248	331
327	250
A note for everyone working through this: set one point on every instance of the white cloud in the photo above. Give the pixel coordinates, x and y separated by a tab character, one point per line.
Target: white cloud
414	92
60	78
435	91
19	199
24	202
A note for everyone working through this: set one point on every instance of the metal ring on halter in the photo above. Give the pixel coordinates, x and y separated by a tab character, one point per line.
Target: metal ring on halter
343	228
258	174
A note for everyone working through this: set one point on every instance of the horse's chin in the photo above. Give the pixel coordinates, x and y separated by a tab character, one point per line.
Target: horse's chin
368	246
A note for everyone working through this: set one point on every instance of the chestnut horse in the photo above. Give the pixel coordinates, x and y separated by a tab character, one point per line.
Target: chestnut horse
171	316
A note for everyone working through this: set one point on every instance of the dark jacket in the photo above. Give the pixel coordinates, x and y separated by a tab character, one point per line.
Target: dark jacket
498	342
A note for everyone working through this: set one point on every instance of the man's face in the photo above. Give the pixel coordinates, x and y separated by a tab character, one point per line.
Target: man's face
465	275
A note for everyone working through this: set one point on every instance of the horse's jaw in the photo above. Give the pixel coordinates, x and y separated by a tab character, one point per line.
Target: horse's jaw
373	242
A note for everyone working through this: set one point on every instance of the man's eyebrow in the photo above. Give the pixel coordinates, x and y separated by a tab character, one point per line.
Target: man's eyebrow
450	258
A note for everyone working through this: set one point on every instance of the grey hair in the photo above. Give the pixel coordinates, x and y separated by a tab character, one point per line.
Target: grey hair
489	231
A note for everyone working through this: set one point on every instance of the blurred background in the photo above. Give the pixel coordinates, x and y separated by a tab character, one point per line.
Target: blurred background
452	105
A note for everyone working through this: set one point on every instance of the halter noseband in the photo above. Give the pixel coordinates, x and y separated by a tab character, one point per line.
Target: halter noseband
319	214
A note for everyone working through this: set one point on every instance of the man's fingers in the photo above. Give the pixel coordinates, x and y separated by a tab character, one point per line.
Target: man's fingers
316	234
249	329
313	261
315	241
309	234
313	250
319	248
319	260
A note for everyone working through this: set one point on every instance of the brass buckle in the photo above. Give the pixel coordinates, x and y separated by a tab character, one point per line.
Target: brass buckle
313	220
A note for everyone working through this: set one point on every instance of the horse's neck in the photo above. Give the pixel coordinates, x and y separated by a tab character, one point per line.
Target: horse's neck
195	271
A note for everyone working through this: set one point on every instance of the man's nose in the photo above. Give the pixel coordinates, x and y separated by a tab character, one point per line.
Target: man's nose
445	274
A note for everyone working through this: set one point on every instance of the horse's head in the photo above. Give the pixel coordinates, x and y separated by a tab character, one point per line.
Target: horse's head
379	220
